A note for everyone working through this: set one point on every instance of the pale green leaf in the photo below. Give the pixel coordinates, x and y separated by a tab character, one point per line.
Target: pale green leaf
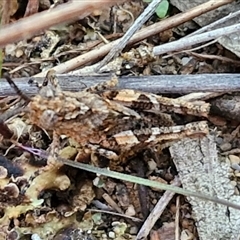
162	9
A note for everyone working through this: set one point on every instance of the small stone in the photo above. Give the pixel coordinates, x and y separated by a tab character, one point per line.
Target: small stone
219	140
35	237
133	230
130	211
186	60
237	174
225	147
116	223
19	53
233	183
228	162
3	172
186	235
111	235
104	236
236	191
234	159
235	166
152	165
154	201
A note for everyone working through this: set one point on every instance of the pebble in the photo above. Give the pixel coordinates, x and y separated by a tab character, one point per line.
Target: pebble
233	183
111	235
152	165
234	159
104	236
35	237
237	174
235	166
133	230
236	191
219	140
130	211
225	147
186	60
186	235
227	160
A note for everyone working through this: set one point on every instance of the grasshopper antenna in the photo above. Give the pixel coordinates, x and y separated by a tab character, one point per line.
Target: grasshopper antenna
15	87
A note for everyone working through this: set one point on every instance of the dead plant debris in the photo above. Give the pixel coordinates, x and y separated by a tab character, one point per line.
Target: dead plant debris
111	128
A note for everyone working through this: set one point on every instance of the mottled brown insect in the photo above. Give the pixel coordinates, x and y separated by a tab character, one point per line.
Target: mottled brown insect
116	124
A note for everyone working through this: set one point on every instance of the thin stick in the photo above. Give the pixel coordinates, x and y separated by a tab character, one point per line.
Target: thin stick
38	22
177	232
147	13
161	84
189	51
190	41
17	90
215	24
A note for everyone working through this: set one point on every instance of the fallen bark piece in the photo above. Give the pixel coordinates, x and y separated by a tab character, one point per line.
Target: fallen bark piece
201	170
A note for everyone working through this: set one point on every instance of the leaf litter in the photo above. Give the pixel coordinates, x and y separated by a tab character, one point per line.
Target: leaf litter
59	202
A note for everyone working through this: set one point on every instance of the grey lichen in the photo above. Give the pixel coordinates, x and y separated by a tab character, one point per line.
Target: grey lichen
201	170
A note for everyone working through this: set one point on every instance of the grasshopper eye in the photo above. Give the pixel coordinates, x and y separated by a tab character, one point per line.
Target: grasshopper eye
15	87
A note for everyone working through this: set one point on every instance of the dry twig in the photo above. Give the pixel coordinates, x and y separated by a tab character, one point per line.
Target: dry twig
190	41
215	24
26	28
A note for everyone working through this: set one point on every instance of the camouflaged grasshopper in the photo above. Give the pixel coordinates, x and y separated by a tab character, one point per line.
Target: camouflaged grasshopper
116	124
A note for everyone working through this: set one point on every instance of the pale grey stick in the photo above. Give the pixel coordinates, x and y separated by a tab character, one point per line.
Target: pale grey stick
190	41
215	24
180	84
147	13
